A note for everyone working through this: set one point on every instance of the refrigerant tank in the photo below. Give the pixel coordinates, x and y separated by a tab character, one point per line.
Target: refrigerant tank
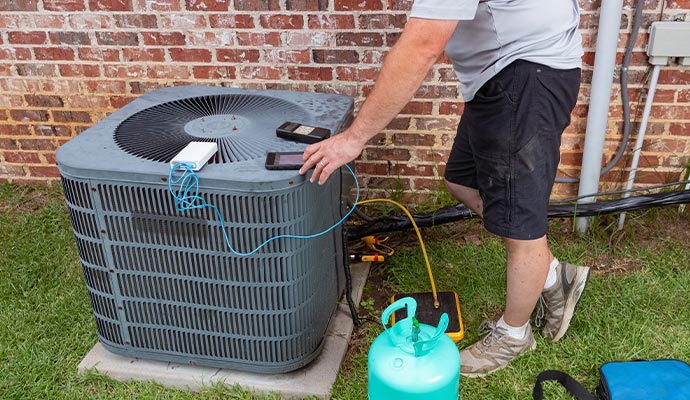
413	361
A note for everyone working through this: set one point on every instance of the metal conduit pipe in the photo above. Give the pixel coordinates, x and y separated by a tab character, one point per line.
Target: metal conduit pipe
600	99
640	138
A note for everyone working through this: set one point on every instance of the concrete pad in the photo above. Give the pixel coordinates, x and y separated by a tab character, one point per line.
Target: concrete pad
315	379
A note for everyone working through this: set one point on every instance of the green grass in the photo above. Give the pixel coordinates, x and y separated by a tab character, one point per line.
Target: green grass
635	305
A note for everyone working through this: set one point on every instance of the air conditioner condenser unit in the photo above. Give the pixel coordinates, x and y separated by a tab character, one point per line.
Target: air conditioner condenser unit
163	283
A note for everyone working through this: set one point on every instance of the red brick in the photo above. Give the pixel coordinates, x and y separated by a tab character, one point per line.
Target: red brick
392	38
332	56
19	5
64	5
358	5
182	21
679	128
168	72
35	37
15	129
350	89
306	5
435	155
8	144
43	171
145	86
79	70
451	108
217	39
71	116
53	130
437	91
683	96
678	4
124	71
417	107
13	170
370	39
121	101
15	53
117	38
282	56
86	101
389	153
233	21
110	5
163	38
87	21
282	21
252	72
258	39
331	21
356	74
106	86
36	144
310	73
190	55
403	5
308	39
237	55
145	21
49	101
213	72
670	112
98	54
207	5
413	139
433	123
29	115
70	38
382	21
257	5
53	53
22	157
666	145
143	55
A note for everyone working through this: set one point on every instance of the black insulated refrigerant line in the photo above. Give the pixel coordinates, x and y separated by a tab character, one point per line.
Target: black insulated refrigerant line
562	209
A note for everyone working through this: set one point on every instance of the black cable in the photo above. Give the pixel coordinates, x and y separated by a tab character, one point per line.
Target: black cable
559	210
346	260
642	189
624	96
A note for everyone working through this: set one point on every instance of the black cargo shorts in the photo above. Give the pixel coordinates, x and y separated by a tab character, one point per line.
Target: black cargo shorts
508	145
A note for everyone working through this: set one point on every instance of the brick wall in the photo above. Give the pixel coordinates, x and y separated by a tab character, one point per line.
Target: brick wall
65	64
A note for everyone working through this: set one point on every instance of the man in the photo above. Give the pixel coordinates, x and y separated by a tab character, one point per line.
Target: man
518	62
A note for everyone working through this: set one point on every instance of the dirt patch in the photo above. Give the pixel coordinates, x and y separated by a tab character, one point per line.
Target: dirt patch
28	198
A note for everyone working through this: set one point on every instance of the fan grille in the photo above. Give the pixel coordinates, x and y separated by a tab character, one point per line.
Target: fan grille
243	126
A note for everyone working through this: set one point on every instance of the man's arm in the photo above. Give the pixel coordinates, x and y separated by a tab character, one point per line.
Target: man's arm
403	71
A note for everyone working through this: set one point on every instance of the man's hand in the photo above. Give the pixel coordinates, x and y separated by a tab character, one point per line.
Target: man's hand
329	155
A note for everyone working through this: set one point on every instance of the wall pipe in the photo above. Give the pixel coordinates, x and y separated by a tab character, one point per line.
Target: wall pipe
640	138
600	99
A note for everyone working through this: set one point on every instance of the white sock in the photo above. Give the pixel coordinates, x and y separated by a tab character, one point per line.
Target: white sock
516	332
551	277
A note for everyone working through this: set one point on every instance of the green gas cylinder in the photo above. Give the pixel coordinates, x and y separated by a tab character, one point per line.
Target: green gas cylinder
413	361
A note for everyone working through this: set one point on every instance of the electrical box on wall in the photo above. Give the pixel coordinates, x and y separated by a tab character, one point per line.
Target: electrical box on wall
669	39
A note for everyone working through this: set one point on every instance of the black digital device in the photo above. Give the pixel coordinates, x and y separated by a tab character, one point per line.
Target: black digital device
284	160
302	133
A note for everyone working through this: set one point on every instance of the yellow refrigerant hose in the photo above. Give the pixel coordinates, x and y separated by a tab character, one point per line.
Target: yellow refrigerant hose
419	236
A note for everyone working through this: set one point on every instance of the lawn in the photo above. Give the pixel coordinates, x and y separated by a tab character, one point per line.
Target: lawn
635	305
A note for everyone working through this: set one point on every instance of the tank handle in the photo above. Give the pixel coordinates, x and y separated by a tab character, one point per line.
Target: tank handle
408	302
424	346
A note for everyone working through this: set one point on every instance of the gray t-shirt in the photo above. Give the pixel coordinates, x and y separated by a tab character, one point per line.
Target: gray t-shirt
491	34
